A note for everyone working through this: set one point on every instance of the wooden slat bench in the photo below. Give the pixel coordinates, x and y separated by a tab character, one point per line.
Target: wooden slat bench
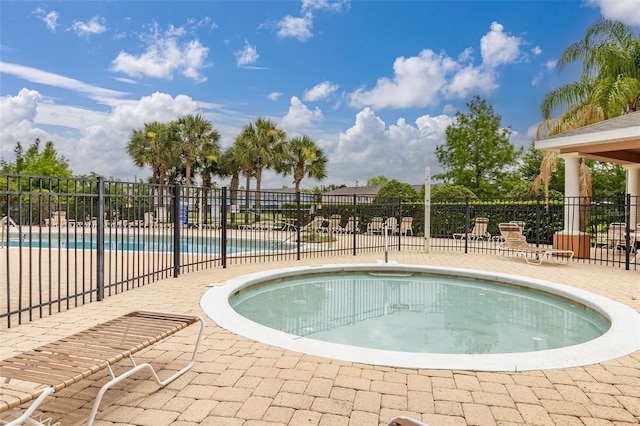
40	372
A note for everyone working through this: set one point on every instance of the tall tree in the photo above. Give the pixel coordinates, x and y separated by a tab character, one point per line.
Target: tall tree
196	137
380	180
37	162
609	87
477	152
263	147
152	146
303	158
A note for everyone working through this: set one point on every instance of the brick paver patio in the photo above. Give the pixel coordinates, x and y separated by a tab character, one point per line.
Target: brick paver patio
237	381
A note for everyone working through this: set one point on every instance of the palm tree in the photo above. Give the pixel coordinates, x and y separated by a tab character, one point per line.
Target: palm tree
262	146
243	157
207	163
609	87
304	158
153	147
196	137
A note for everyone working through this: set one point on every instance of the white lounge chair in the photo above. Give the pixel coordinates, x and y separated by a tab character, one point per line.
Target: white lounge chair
375	226
352	225
334	224
478	232
391	225
406	226
515	242
316	225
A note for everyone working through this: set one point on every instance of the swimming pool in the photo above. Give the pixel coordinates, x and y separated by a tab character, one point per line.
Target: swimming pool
150	242
340	323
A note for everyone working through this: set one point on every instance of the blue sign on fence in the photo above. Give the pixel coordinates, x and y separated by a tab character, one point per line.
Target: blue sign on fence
184	214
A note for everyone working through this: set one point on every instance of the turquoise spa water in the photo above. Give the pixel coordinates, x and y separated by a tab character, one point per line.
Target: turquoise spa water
419	313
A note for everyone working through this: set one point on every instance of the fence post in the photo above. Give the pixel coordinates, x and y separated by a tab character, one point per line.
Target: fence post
627	221
298	224
467	225
538	221
177	223
398	223
100	240
223	239
427	209
355	223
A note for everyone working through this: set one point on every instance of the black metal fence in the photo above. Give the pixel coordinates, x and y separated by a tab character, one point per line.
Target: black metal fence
68	241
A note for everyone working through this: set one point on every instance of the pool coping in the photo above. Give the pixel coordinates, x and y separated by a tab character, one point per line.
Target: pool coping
621	339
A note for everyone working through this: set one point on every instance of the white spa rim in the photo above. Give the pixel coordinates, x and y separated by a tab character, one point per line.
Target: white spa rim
621	339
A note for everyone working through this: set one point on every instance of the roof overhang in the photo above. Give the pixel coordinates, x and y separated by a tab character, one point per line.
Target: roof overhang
614	141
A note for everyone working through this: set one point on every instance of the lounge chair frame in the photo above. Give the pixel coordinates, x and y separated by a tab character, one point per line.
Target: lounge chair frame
405	421
514	242
59	364
478	232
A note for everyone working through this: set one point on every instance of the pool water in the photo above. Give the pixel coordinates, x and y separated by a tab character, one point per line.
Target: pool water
148	243
419	313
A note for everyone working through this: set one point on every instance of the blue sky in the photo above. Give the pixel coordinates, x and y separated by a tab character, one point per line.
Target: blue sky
374	83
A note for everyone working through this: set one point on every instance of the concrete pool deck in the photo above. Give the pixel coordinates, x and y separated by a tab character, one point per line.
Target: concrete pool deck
237	381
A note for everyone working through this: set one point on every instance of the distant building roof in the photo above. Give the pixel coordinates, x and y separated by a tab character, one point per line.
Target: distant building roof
355	190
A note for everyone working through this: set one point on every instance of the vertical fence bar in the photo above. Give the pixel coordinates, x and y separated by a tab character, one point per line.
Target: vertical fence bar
100	240
355	224
298	224
467	224
223	238
627	233
177	223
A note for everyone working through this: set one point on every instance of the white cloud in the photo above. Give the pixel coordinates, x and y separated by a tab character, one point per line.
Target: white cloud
320	91
164	56
49	18
334	6
246	56
499	48
93	26
105	96
536	50
470	80
90	140
296	27
626	11
551	65
17	108
415	83
17	116
299	117
399	151
466	55
274	96
420	81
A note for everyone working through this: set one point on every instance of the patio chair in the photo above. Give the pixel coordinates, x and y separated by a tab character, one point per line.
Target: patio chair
391	224
616	236
406	226
515	242
32	376
316	225
352	225
58	219
478	232
375	226
334	224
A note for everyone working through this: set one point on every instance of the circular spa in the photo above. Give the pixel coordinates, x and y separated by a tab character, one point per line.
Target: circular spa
425	317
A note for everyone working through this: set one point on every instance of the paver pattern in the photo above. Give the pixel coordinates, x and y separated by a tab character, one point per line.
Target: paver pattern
237	381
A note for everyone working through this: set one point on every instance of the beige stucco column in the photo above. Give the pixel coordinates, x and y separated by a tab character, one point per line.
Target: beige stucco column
570	238
633	188
571	193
